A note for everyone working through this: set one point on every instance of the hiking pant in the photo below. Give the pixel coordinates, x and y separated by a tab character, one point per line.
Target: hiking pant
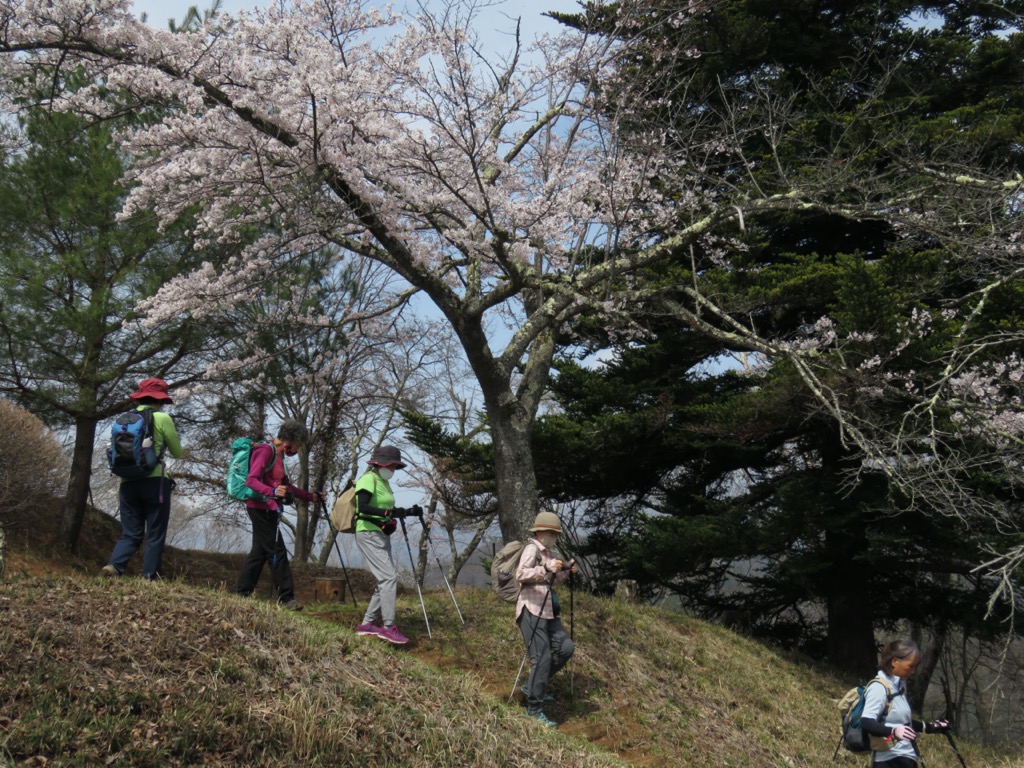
550	650
376	549
896	762
145	509
267	547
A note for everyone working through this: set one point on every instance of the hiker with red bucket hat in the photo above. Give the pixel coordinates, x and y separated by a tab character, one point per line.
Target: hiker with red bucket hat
375	522
145	503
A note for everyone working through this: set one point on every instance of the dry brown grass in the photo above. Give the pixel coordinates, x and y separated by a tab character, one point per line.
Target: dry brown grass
128	673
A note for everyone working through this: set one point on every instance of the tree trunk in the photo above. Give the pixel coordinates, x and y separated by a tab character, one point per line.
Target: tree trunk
515	479
851	642
73	509
421	557
510	413
459	560
917	686
851	638
851	635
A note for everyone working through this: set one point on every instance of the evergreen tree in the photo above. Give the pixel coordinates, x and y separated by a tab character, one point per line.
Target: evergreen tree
853	315
71	277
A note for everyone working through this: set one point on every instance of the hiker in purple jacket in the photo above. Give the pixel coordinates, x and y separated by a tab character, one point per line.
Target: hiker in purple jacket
267	477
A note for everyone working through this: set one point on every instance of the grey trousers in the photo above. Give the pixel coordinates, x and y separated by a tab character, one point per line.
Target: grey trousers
550	650
376	549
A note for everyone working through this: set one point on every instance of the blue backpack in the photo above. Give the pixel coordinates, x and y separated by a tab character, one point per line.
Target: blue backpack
132	453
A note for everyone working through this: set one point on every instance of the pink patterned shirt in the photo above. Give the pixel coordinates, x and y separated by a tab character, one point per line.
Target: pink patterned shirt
534	573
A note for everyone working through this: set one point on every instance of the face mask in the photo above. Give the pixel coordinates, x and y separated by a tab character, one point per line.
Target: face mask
386	473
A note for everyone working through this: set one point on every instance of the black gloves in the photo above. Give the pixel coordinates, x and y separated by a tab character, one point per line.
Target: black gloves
415	511
937	726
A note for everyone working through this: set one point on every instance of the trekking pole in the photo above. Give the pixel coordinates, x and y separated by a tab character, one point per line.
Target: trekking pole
426	533
572	634
412	564
917	753
952	744
323	506
533	634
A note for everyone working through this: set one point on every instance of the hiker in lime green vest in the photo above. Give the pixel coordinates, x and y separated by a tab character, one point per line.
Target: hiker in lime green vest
375	522
144	504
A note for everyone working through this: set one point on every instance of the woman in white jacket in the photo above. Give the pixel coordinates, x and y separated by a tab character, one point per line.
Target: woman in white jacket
887	712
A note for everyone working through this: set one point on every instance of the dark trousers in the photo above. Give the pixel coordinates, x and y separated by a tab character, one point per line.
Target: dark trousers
145	509
267	547
550	650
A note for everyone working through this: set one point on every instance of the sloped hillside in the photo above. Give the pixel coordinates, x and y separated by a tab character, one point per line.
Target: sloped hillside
99	672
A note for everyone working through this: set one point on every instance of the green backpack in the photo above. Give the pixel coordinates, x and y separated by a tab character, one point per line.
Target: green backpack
238	470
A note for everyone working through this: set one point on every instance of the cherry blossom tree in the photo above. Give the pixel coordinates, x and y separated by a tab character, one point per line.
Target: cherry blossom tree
491	184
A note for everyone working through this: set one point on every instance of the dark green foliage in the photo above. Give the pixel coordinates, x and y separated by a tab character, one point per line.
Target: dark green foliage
72	274
463	461
710	479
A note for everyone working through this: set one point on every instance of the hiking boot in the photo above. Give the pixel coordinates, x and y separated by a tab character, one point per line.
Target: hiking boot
392	635
368	630
540	717
548	698
291	605
109	570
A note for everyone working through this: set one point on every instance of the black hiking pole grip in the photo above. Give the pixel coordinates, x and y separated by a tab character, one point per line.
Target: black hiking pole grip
412	564
323	506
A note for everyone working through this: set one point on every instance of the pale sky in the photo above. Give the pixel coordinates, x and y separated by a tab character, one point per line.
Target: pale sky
497	18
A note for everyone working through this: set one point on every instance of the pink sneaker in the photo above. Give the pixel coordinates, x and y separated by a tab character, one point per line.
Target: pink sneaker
392	635
366	630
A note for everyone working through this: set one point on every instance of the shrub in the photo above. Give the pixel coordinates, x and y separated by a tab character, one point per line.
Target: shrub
33	464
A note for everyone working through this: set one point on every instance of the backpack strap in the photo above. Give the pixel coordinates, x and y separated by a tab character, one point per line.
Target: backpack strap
536	561
368	518
149	419
269	465
890	693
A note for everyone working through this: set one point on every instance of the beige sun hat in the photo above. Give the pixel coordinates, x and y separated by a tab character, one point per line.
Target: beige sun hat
547	521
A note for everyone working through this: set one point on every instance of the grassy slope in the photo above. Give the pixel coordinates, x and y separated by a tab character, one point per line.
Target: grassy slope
127	673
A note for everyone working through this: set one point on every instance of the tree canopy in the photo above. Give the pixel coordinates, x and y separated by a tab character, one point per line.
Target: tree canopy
71	276
869	448
484	183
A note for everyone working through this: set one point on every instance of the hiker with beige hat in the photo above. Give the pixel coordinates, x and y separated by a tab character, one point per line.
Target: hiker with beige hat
547	643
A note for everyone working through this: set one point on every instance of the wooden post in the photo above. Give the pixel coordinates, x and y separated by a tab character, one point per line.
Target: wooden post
330	591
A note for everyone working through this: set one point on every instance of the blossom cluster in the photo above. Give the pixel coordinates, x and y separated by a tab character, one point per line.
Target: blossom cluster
391	137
